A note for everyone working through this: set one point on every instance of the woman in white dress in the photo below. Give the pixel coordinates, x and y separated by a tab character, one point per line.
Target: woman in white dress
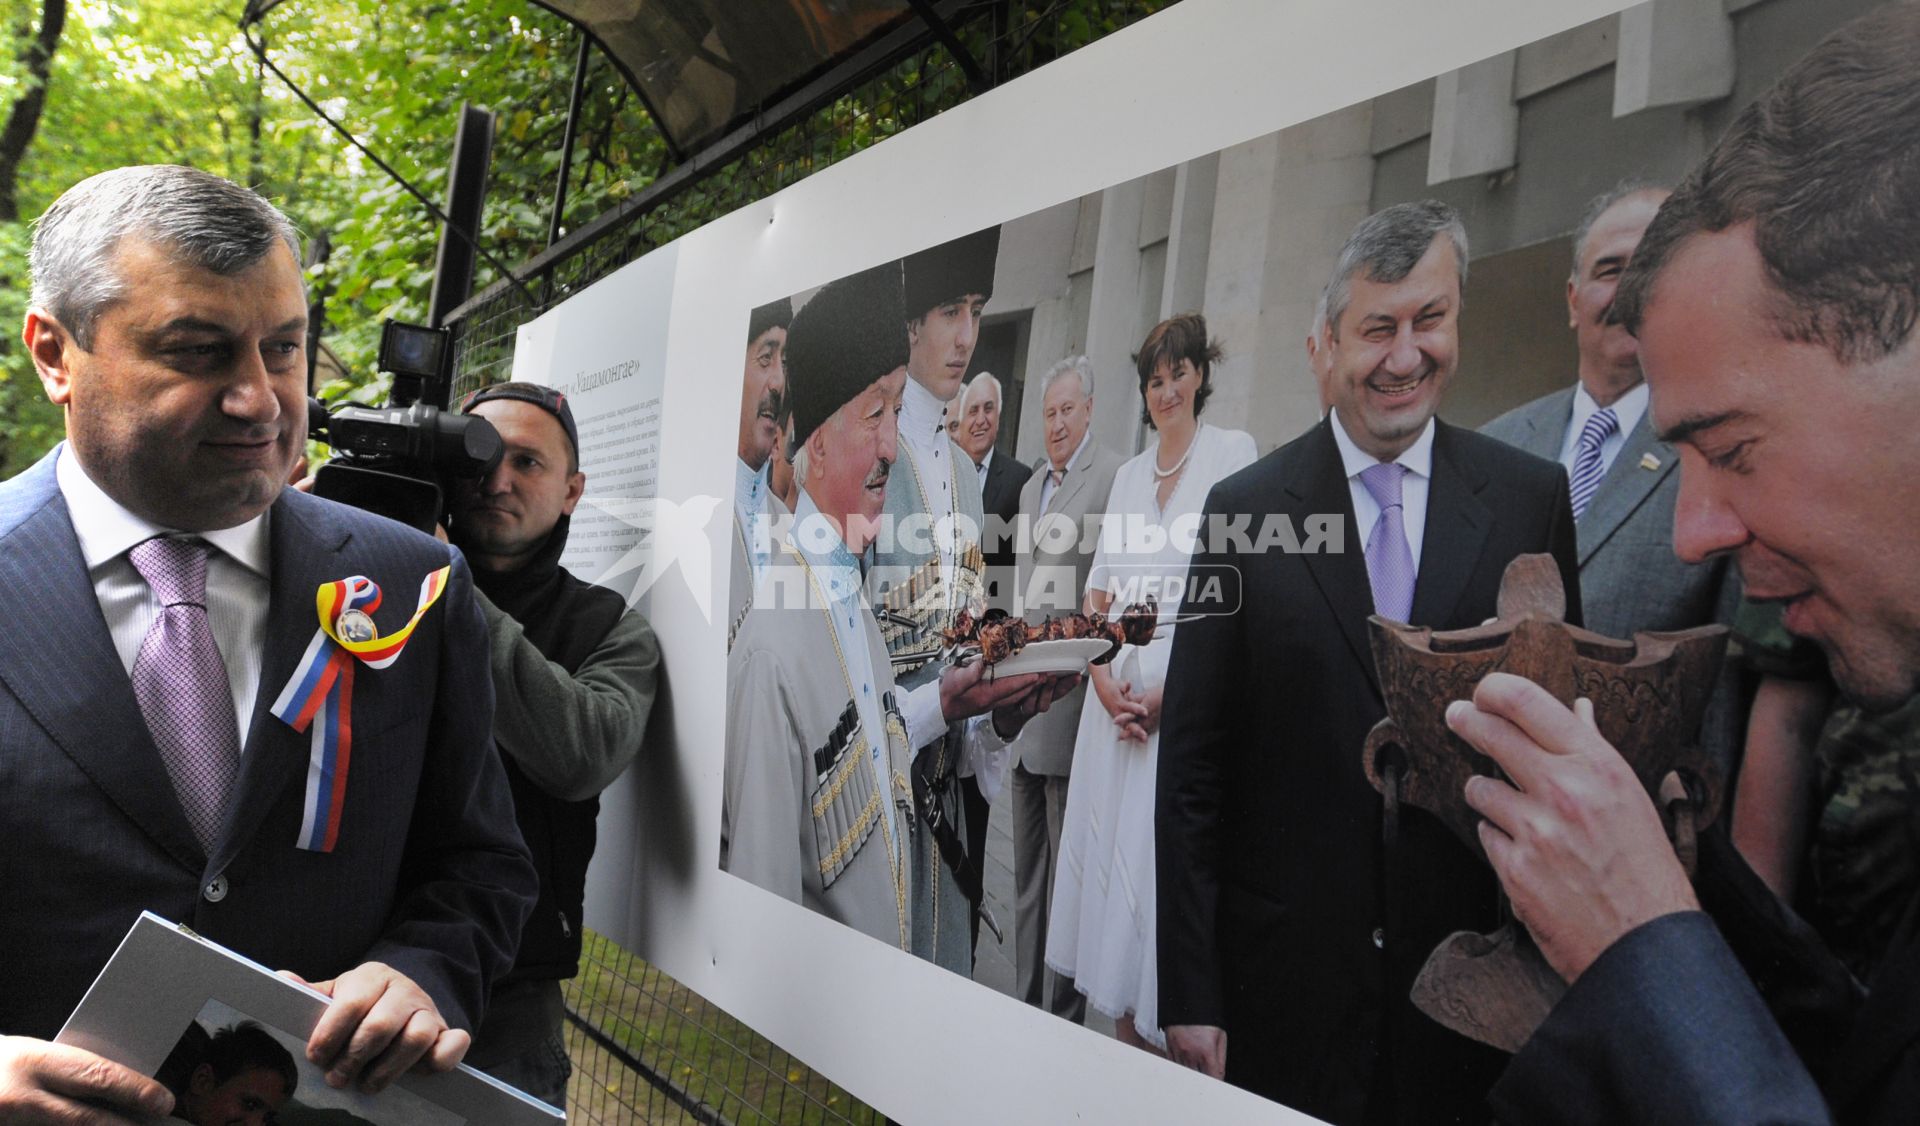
1101	928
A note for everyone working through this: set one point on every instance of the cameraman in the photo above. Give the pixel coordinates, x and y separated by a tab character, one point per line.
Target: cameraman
574	678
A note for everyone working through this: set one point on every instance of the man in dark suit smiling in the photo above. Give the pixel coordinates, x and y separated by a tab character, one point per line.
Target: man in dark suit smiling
1294	911
160	589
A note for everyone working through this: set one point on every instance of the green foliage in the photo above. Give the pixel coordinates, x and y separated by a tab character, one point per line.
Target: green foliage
174	81
29	424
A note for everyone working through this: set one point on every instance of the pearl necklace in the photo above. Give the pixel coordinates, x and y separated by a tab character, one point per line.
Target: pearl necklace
1163	474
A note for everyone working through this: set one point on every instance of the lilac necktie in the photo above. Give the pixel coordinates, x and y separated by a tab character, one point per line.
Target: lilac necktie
181	683
1588	469
1389	559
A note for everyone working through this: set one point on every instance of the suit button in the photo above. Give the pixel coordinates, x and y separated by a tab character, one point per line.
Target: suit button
1379	938
216	890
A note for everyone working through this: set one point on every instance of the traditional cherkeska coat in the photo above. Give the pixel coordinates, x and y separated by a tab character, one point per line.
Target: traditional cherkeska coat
803	814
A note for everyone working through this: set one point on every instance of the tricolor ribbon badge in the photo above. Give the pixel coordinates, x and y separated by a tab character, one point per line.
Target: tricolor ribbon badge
319	698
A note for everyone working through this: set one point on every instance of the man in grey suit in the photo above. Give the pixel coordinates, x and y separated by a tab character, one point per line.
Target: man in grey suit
1071	485
1622	478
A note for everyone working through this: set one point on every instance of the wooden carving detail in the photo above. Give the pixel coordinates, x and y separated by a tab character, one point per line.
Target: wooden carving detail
1649	695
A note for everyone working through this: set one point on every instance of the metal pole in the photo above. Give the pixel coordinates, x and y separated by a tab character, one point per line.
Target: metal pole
318	251
566	142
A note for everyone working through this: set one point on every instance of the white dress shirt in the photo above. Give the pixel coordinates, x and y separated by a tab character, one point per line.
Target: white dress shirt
982	467
1627	409
1414	486
750	493
923	437
237	581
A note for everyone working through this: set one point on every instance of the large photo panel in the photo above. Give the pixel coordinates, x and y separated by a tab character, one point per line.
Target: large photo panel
796	854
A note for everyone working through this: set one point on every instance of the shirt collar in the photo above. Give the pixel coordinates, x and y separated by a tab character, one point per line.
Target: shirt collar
985	461
1418	458
750	484
923	418
819	543
106	529
1628	408
1074	458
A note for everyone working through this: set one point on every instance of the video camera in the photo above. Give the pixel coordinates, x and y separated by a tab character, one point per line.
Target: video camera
396	460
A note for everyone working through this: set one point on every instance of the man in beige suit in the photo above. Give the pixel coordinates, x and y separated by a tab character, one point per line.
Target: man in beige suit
1070	485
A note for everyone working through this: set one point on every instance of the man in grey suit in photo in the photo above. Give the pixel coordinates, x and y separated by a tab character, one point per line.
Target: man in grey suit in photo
159	587
1623	479
1070	485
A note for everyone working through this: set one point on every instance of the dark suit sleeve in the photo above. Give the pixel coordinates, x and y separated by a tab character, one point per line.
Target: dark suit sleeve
1662	1028
467	884
1563	541
1202	697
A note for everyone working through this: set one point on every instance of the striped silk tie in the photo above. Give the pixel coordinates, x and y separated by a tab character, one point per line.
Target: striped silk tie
1588	468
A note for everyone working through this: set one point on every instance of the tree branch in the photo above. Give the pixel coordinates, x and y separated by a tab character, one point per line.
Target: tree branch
36	59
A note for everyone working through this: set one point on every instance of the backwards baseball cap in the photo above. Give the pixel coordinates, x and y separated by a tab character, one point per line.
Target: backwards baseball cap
546	398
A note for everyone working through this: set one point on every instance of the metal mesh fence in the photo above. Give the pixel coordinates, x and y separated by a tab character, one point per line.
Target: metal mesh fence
645	1048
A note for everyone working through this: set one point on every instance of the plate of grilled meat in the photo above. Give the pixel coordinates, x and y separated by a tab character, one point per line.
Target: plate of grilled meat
1013	646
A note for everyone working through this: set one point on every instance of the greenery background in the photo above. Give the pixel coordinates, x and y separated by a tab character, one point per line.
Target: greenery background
173	81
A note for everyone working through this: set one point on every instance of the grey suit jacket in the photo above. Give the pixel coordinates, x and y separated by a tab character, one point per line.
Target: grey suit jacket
1053	580
429	873
1630	579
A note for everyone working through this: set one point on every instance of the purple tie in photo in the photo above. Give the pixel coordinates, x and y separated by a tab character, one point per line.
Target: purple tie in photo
181	683
1389	559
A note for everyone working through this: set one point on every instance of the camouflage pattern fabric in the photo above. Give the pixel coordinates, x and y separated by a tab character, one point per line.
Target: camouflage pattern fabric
1863	864
1865	855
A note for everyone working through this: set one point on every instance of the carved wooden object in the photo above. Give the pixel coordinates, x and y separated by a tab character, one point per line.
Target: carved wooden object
1648	695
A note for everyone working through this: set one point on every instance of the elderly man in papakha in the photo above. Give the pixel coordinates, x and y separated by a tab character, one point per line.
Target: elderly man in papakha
818	804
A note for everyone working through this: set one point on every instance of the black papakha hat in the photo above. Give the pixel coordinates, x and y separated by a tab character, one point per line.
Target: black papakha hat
774	314
952	270
848	335
546	398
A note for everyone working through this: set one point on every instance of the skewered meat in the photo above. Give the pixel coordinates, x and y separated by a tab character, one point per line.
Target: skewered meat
996	635
1135	626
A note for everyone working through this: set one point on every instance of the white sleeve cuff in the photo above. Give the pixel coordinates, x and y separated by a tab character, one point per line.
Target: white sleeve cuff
985	756
920	708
